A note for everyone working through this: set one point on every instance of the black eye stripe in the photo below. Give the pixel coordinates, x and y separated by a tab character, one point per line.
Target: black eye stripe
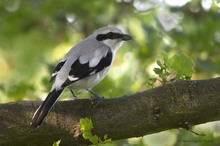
110	35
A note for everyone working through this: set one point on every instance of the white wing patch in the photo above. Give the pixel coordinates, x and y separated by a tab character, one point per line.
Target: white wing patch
55	73
83	59
98	55
57	69
92	72
72	78
94	62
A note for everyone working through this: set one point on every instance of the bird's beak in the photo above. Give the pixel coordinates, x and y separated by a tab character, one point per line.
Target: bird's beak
126	37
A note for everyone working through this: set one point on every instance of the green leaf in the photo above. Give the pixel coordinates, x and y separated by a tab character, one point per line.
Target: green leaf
182	64
57	143
106	140
165	57
105	136
85	124
158	71
85	127
94	139
160	64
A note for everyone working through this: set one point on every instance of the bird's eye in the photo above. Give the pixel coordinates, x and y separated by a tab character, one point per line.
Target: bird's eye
111	35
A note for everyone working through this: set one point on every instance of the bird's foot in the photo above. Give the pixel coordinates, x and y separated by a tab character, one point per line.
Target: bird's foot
95	99
74	96
95	95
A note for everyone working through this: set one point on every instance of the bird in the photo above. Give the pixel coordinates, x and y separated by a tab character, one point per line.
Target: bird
83	67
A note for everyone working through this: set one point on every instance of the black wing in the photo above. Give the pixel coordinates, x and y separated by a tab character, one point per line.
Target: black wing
57	69
79	71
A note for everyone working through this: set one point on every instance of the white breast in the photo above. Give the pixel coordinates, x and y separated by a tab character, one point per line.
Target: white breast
89	81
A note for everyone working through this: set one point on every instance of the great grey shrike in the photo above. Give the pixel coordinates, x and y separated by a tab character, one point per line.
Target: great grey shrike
84	66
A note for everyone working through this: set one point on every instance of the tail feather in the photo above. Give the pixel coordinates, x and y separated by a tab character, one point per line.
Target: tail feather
45	107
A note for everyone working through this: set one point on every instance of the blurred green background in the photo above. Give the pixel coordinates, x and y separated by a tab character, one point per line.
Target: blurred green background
36	34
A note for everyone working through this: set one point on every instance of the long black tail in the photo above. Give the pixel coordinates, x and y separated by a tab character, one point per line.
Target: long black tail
45	107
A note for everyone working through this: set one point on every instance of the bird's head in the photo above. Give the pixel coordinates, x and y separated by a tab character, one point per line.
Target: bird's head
111	36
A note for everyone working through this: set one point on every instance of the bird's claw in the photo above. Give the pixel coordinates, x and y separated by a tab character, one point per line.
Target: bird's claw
96	100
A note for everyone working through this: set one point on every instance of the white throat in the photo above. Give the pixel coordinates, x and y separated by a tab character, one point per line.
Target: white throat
113	44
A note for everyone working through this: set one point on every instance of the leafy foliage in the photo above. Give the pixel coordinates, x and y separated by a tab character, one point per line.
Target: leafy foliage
182	64
177	67
86	127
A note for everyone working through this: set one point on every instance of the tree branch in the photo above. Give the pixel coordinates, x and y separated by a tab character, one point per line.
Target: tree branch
180	104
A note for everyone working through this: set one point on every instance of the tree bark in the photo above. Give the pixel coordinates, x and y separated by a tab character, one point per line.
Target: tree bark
179	104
